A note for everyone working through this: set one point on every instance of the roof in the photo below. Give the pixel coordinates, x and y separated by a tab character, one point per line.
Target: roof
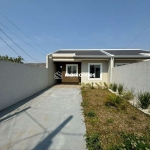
37	64
103	53
126	52
82	52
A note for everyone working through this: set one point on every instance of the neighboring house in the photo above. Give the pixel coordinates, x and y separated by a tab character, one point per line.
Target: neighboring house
37	64
98	62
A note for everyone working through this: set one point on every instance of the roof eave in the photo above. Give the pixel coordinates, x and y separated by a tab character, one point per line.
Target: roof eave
132	57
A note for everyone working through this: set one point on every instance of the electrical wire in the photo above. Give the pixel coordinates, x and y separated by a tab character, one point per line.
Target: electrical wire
137	36
18	46
21	31
21	38
11	47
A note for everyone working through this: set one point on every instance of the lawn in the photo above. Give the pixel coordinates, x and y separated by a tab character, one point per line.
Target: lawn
109	126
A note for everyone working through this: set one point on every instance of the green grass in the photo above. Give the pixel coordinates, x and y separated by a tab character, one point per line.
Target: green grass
111	123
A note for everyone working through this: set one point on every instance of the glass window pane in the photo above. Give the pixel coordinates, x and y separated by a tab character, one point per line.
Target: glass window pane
95	69
69	69
72	69
91	70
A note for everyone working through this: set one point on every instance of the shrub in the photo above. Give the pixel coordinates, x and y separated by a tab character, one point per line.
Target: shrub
99	86
114	87
92	85
105	85
93	141
110	86
144	100
88	85
120	88
114	100
91	114
128	95
132	142
83	85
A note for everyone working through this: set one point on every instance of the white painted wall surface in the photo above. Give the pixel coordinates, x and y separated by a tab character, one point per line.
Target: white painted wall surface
134	76
19	81
84	69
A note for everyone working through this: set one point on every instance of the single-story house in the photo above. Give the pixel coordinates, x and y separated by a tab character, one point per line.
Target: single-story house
72	66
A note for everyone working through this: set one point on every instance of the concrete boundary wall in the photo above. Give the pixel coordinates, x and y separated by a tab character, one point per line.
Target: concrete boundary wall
19	81
134	76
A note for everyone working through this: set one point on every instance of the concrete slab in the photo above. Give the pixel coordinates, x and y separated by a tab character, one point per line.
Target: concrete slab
49	120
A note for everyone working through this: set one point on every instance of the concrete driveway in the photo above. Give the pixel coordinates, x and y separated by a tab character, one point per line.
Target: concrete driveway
49	120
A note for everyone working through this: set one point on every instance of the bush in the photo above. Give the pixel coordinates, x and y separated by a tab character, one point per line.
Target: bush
114	100
91	114
105	85
99	86
110	86
144	100
83	85
93	141
132	142
114	87
120	88
90	85
128	95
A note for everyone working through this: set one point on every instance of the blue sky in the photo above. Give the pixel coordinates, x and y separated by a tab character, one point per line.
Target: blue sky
75	24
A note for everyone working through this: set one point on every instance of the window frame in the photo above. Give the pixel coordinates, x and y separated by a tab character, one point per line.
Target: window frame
100	71
67	74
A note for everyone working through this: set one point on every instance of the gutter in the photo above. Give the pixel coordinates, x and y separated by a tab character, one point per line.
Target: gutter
89	56
132	57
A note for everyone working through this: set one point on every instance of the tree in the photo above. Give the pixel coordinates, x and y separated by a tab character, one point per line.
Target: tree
12	59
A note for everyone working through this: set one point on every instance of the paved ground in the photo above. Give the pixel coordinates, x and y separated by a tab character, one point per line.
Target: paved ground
50	120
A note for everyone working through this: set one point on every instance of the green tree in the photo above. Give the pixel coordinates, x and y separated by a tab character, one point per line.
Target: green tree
19	59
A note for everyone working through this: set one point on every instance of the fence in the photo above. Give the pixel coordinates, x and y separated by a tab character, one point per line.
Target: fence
19	81
134	76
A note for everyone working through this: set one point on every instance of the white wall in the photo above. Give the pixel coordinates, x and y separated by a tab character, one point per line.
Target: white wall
19	81
134	76
51	69
84	69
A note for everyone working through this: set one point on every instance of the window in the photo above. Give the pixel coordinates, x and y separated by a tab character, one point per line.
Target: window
120	64
71	70
95	71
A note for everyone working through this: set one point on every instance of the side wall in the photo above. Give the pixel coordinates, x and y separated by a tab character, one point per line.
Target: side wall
134	76
84	69
51	70
126	61
19	81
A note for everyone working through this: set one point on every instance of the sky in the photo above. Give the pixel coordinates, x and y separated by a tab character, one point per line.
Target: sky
73	24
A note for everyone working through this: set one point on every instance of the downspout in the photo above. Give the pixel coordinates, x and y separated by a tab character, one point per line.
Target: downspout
111	63
111	66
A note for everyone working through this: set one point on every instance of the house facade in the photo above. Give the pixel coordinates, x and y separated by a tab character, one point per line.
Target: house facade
90	65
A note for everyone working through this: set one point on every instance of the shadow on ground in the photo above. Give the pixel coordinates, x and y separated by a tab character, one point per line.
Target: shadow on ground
45	144
17	105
